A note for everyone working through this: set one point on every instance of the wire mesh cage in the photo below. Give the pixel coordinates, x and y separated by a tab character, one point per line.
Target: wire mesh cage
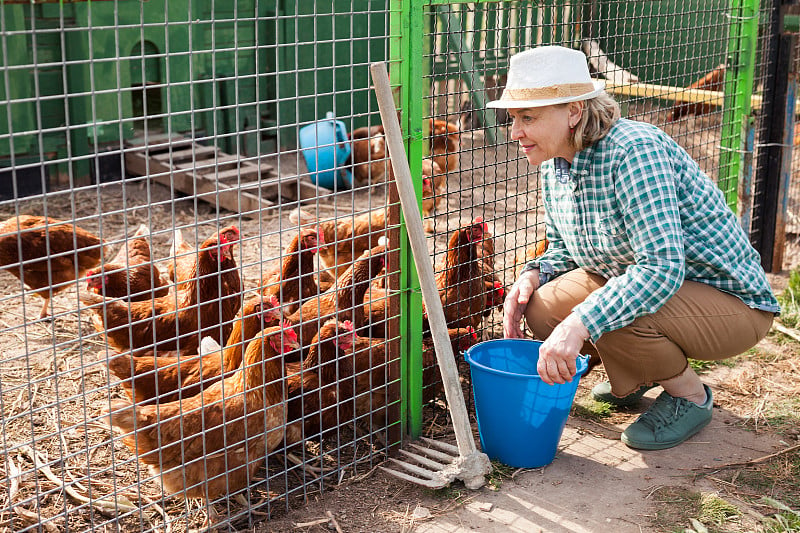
209	311
167	193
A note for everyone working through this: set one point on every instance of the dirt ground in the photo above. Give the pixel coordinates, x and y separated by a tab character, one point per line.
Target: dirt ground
596	483
54	383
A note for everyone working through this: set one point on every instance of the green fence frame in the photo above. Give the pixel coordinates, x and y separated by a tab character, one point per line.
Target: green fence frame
737	118
409	72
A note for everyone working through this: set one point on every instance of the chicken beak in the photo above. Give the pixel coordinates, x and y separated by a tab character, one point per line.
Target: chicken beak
226	252
290	345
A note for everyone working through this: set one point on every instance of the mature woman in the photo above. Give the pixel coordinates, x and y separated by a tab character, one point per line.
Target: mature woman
646	267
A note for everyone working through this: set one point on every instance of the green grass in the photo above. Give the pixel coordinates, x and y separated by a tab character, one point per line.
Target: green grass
715	510
499	473
782	415
590	409
681	510
786	521
790	301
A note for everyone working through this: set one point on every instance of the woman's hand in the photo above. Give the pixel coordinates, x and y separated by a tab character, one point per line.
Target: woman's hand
558	353
516	302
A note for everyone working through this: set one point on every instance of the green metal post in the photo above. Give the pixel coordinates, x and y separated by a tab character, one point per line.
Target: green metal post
407	26
738	92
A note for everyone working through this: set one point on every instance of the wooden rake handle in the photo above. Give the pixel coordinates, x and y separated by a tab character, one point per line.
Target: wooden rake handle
419	249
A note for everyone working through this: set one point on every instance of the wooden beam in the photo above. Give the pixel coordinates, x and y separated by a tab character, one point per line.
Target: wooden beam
674	94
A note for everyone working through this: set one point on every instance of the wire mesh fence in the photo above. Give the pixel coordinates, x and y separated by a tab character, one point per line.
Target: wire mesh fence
199	197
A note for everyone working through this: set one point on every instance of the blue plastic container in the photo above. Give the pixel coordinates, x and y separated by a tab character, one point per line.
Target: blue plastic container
326	147
520	417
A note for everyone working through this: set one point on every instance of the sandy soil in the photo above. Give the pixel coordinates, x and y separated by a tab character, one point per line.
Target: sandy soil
55	383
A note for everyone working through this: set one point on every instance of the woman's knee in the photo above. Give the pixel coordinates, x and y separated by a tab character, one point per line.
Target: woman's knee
553	301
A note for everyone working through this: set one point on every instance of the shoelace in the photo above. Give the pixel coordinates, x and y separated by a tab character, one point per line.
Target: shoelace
661	413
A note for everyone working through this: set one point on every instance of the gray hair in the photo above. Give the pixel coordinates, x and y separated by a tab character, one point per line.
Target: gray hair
599	115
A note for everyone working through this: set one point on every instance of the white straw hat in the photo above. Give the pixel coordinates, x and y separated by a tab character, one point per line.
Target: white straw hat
547	75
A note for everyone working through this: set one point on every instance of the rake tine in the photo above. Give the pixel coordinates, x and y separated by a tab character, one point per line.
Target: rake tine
414	469
436	454
424	482
423	460
441	445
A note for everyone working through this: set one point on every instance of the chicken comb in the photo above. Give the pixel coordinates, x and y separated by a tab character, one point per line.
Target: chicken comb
274	302
426	181
223	231
348	325
484	225
499	288
472	333
288	331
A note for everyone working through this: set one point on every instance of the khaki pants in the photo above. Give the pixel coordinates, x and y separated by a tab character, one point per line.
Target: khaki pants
699	322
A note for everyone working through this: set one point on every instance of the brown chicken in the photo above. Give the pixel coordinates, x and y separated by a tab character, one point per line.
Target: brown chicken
346	238
369	155
495	291
315	401
131	274
713	81
460	340
181	270
47	254
212	444
368	363
147	376
376	309
461	278
434	185
343	300
531	253
445	144
294	280
183	317
182	257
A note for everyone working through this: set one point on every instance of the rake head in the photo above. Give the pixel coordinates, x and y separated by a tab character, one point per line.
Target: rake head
438	464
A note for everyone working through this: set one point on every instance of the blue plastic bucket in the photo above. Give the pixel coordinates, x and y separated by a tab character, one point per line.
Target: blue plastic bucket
520	417
326	147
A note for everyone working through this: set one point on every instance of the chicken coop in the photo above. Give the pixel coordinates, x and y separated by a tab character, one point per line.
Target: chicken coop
210	308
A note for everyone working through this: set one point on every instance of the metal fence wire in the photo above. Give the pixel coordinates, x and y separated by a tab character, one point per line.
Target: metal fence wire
209	308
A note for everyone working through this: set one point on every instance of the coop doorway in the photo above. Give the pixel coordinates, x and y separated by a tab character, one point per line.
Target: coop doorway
146	88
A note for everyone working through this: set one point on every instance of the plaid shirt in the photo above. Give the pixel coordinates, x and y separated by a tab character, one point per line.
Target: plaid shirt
636	209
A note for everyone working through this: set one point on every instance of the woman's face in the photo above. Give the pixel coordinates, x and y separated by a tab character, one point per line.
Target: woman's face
544	132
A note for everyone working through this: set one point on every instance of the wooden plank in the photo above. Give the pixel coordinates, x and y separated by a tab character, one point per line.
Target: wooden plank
159	140
141	165
188	179
245	171
196	152
676	94
209	166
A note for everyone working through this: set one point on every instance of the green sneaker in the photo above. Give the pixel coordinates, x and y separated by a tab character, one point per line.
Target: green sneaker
668	422
602	393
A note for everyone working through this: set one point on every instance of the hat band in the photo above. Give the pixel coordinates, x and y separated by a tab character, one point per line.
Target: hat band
543	93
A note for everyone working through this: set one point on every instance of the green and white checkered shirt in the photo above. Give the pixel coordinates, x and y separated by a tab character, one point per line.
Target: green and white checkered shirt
636	209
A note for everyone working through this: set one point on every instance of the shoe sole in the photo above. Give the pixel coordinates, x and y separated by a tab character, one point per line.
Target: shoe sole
622	402
661	445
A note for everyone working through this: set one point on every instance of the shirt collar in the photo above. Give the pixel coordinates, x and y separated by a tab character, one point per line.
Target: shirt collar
582	160
562	170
